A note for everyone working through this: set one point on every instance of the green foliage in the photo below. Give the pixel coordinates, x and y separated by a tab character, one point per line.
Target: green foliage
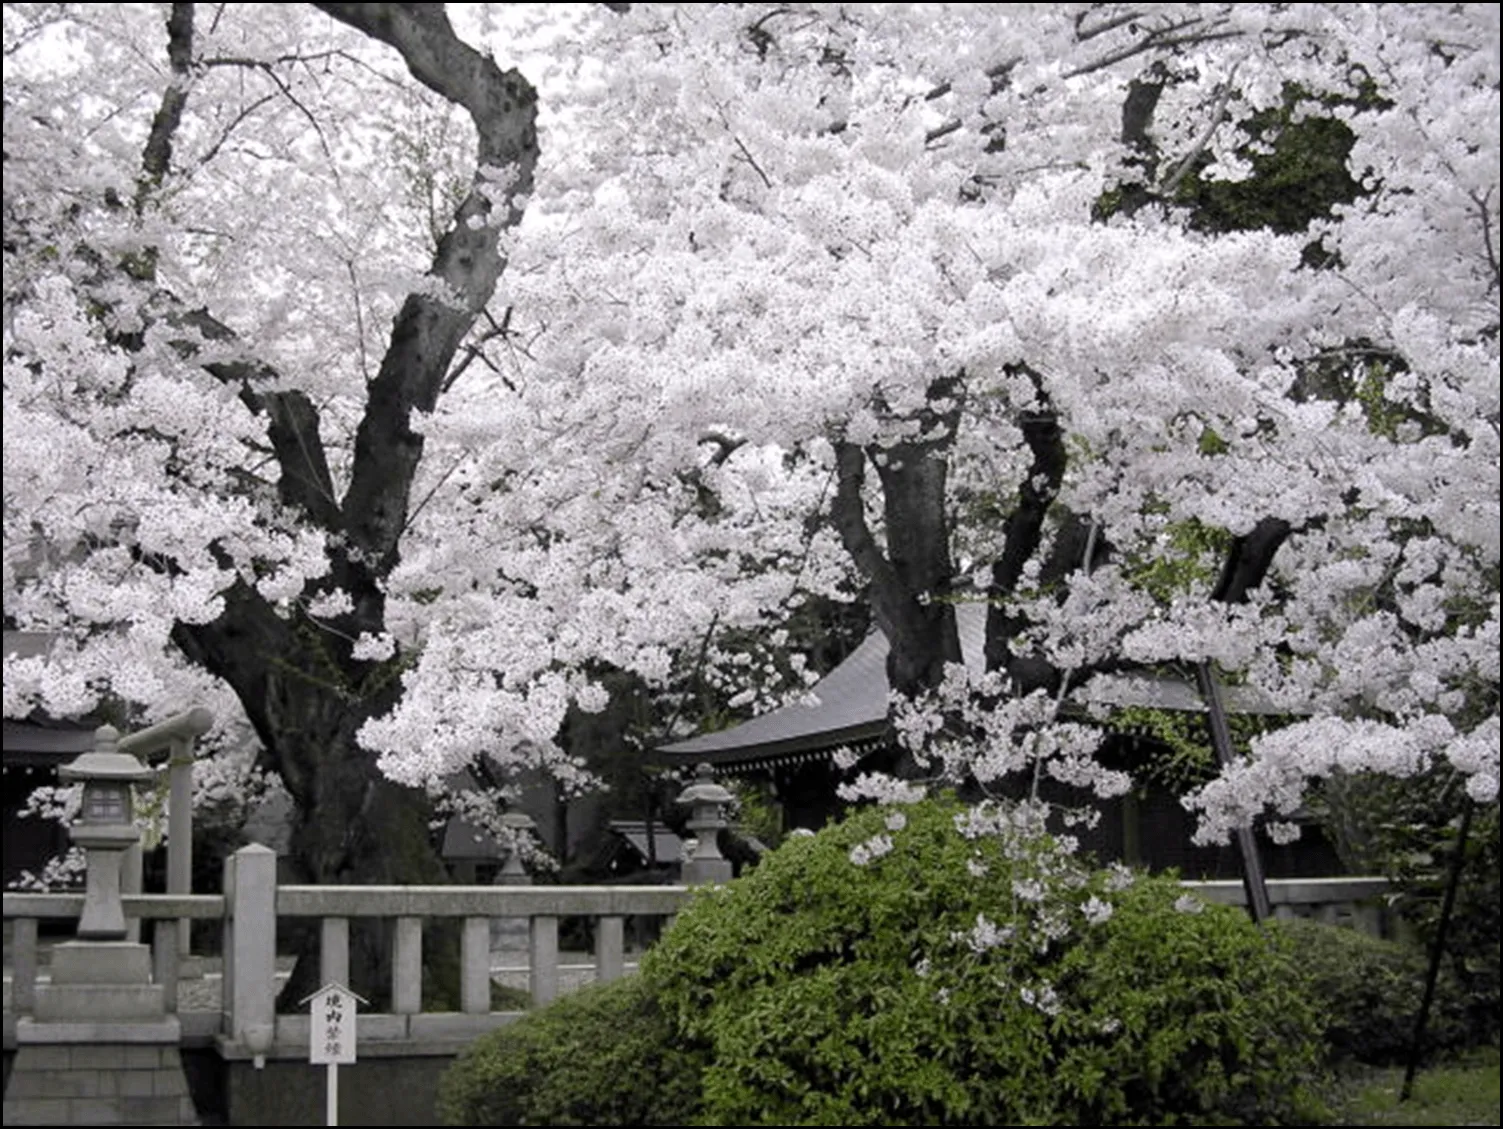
1190	553
1178	753
506	998
757	813
1409	830
1298	174
1370	989
602	1056
827	993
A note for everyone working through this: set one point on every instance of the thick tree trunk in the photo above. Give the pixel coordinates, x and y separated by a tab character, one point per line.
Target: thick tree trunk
911	578
351	826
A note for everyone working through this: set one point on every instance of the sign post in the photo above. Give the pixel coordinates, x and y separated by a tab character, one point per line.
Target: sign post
331	1038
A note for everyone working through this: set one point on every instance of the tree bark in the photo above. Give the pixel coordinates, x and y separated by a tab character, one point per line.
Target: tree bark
911	577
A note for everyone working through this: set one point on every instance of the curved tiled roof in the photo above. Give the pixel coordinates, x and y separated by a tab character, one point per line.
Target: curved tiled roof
849	705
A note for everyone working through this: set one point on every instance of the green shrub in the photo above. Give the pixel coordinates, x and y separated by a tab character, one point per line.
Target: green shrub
828	993
1369	990
1409	830
602	1056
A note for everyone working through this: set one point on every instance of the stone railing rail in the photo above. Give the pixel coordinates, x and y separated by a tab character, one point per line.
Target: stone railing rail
247	1026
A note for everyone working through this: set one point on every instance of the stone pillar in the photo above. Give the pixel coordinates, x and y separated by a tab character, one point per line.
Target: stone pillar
250	958
180	831
100	1048
706	801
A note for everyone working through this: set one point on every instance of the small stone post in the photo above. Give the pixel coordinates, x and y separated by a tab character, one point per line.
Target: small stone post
706	801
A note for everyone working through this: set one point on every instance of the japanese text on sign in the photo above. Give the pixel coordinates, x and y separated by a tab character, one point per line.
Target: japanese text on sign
331	1035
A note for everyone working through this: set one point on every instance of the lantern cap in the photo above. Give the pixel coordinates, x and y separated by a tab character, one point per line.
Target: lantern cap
704	790
105	763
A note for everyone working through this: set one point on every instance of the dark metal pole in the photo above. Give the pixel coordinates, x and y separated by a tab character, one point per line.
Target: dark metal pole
1254	880
1447	906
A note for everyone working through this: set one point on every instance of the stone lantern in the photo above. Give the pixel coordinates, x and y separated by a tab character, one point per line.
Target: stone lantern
100	1047
510	935
105	829
512	873
707	801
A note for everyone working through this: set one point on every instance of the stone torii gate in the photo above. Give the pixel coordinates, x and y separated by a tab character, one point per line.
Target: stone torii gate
176	738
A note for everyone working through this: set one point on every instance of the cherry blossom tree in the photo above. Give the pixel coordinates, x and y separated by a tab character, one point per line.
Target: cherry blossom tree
958	264
344	369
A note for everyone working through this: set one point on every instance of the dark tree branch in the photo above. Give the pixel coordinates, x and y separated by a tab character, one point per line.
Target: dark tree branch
1084	34
305	484
998	76
156	157
1249	560
476	349
1489	244
725	445
752	161
224	135
848	513
1157	38
429	330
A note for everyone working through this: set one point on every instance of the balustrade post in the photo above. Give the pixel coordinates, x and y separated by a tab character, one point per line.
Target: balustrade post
180	831
610	946
164	959
544	971
133	881
250	987
23	986
407	967
475	966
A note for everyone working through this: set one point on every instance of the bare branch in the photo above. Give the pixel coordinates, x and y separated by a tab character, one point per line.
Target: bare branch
1488	243
476	349
349	266
752	161
1158	38
224	136
949	127
1218	112
292	419
1084	34
263	64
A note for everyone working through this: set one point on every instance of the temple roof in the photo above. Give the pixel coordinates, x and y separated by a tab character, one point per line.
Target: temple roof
848	707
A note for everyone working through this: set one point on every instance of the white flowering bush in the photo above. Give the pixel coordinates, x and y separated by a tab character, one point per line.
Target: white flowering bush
979	978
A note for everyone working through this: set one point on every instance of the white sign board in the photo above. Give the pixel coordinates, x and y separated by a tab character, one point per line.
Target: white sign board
331	1034
331	1038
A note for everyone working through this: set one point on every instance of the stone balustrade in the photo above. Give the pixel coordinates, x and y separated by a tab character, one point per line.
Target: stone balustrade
247	1026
